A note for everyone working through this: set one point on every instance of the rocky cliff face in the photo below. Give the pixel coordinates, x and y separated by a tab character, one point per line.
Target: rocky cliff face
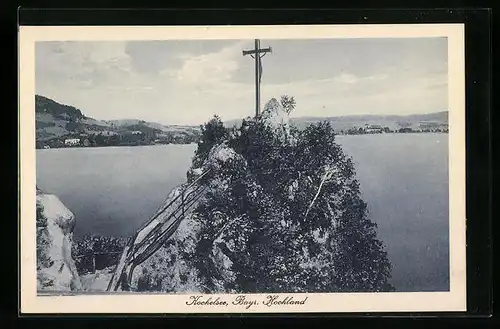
56	270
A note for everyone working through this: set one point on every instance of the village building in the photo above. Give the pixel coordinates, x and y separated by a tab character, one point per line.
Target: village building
373	129
72	142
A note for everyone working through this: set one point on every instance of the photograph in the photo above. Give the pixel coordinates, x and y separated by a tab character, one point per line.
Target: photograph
239	171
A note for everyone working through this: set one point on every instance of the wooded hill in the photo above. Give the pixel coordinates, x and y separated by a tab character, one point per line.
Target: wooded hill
56	122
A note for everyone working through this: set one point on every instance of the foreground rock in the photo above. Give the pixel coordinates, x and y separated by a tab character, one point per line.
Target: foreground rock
56	270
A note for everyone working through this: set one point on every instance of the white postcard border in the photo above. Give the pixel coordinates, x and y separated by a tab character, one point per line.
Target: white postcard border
454	300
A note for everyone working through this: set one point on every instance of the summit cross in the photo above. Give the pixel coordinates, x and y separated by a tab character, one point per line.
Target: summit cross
257	53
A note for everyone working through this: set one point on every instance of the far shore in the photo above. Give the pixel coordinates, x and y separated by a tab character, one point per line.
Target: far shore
194	143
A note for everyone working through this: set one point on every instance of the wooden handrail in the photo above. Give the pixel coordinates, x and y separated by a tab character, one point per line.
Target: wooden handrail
157	241
152	239
162	209
158	227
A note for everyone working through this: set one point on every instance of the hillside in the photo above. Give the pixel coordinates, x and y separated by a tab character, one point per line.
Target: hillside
393	122
153	125
56	122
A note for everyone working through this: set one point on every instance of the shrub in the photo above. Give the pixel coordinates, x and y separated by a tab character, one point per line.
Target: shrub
42	240
85	247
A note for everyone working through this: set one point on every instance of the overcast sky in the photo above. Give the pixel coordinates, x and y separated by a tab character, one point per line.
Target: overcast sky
186	82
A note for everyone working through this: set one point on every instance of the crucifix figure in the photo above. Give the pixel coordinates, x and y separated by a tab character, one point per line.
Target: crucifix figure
257	54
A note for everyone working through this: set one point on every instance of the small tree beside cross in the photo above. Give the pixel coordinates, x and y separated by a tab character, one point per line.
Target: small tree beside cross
288	103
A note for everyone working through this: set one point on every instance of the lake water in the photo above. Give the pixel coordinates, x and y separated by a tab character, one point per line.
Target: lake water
403	177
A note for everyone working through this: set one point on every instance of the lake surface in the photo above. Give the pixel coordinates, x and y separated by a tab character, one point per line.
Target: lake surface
403	177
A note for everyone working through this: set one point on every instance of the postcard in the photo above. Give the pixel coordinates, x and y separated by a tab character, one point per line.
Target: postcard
242	169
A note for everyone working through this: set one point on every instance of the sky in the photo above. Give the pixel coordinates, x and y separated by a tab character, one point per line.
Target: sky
188	81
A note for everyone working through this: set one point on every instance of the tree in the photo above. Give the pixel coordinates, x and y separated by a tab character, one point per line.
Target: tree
288	103
212	133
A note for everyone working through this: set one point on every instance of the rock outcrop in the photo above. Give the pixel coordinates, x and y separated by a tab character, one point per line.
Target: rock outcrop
56	269
274	114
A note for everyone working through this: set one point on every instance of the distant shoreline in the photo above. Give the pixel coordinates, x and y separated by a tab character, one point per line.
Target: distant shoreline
194	143
111	146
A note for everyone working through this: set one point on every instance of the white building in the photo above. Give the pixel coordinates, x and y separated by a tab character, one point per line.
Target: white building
72	142
373	129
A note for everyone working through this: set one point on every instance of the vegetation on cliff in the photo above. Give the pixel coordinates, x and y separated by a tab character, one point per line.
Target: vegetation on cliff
94	252
283	213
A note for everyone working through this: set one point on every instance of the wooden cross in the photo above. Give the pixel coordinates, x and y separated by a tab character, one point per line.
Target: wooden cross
256	54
